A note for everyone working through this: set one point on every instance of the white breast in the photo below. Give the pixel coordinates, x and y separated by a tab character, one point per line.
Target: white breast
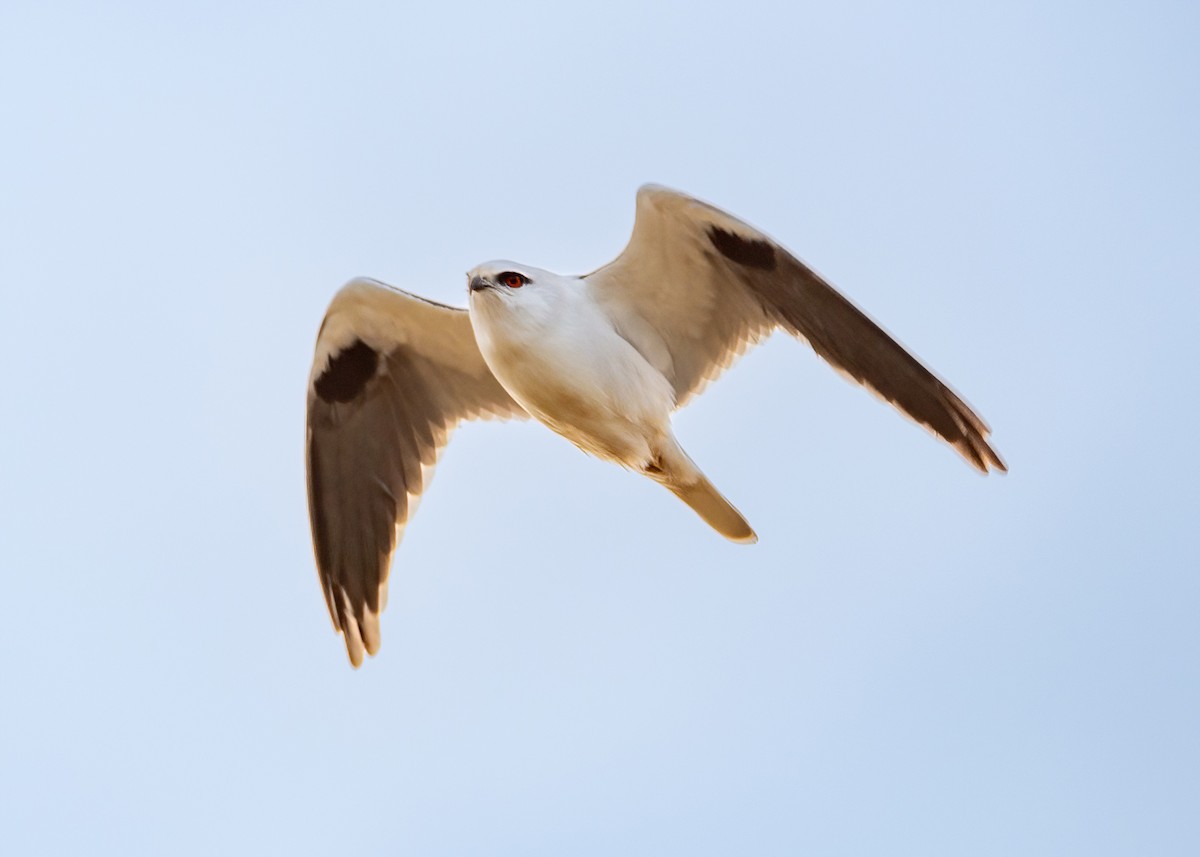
559	355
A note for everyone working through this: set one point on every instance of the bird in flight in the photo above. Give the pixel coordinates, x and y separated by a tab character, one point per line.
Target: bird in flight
602	359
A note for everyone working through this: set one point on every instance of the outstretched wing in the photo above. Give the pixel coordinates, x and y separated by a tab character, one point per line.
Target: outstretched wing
392	375
696	287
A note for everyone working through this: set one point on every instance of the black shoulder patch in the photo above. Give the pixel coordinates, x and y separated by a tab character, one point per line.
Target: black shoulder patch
751	253
347	373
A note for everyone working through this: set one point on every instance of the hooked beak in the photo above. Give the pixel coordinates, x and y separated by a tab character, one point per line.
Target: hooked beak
478	284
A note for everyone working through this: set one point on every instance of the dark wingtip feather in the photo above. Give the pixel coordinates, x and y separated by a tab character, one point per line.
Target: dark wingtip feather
979	454
996	461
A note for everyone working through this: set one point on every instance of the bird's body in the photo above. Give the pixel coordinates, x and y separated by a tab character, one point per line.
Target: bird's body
558	354
603	360
557	351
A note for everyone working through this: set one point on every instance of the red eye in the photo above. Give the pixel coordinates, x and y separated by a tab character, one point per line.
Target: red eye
513	281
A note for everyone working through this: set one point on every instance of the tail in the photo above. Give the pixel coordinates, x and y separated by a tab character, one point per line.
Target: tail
715	510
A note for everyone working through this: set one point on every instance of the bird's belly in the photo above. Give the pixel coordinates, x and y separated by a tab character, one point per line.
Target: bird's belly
603	402
584	420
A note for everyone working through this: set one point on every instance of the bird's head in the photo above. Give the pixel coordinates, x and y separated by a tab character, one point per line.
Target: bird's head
505	280
508	295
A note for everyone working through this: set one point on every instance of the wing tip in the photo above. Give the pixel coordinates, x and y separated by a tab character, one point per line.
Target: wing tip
995	461
354	643
361	635
361	641
979	454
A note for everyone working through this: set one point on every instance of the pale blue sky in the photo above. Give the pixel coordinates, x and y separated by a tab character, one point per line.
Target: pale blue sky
913	660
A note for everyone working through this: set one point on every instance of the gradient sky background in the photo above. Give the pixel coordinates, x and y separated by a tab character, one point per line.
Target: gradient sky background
913	660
